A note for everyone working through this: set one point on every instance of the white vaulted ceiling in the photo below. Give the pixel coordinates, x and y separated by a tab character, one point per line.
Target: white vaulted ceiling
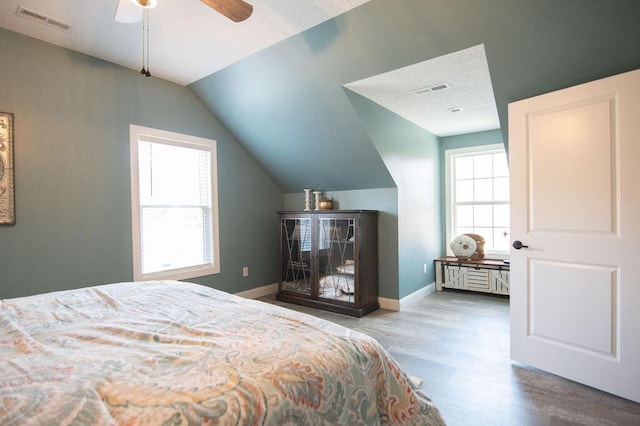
188	40
448	95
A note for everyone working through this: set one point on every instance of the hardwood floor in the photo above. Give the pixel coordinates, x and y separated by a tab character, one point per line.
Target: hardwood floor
458	342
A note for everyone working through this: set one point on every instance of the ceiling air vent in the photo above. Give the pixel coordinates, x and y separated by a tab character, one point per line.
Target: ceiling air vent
431	89
42	19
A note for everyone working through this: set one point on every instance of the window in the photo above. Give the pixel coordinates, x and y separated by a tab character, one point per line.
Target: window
173	205
477	194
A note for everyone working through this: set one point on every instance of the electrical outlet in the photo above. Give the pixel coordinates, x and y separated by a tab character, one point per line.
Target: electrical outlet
425	268
245	271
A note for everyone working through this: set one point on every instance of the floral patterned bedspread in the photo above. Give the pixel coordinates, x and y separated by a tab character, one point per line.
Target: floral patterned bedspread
174	353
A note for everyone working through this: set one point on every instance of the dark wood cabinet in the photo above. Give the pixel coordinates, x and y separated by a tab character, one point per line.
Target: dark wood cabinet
329	260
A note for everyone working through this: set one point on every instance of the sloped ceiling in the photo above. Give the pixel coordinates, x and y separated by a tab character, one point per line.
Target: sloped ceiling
287	105
187	39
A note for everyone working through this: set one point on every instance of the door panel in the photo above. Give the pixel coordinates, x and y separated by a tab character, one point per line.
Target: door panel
556	285
584	179
337	268
575	202
295	246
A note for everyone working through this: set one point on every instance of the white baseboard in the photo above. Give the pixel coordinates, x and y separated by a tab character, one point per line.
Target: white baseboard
385	303
398	305
254	293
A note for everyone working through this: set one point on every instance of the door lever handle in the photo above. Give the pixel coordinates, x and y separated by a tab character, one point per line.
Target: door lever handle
517	244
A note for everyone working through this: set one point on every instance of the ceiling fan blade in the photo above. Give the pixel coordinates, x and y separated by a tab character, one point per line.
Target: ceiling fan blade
127	12
236	10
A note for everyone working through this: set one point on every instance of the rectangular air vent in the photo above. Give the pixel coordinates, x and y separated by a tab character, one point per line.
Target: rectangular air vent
42	19
431	89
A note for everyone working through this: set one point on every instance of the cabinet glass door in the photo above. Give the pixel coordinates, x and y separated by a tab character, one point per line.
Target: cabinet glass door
336	240
296	255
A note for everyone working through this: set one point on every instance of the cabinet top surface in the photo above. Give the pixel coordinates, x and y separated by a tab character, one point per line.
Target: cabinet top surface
453	259
325	211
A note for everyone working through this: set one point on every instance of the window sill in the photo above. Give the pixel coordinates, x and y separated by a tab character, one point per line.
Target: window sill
179	274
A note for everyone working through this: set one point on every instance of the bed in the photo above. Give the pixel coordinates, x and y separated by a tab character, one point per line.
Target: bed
168	352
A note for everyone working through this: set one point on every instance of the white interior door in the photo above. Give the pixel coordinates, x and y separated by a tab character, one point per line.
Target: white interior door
574	160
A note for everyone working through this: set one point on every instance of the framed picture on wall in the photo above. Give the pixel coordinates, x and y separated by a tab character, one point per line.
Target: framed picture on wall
7	189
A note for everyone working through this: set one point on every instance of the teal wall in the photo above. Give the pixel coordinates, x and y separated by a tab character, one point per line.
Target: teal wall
415	158
470	140
489	137
287	106
384	200
411	154
72	116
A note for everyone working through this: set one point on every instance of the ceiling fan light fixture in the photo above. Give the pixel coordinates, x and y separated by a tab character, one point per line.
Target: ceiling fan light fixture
145	4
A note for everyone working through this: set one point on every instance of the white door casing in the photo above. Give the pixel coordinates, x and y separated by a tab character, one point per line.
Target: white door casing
574	158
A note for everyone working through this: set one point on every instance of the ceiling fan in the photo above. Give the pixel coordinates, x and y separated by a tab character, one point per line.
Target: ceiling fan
129	11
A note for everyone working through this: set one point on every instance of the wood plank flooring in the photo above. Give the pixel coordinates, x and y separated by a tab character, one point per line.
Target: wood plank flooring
458	342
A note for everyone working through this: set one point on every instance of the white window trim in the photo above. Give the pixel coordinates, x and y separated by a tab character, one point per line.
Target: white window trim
137	133
448	178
